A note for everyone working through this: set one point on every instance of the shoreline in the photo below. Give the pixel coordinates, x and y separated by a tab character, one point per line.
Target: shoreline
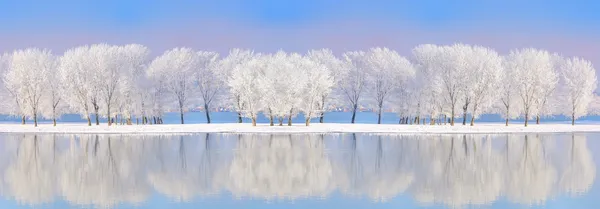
483	128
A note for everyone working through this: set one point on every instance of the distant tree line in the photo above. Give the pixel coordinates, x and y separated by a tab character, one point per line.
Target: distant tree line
435	85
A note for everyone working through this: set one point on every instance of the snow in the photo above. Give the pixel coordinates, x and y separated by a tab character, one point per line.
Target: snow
299	128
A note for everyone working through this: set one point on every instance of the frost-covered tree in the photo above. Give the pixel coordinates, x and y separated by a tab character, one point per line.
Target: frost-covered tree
353	80
292	86
508	106
318	84
133	87
447	64
387	73
11	102
76	77
227	65
534	78
484	73
28	74
52	104
176	67
334	65
108	65
578	82
210	79
272	78
245	83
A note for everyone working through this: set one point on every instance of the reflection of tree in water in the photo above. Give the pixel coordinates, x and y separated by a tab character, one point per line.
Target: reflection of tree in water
530	176
108	176
457	170
185	168
31	177
453	170
580	171
278	166
374	167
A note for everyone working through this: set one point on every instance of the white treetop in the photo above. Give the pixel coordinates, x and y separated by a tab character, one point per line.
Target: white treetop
245	82
77	80
335	66
108	66
53	105
387	72
484	73
210	79
578	82
354	79
133	85
534	78
11	103
176	67
509	102
28	76
227	65
292	88
317	86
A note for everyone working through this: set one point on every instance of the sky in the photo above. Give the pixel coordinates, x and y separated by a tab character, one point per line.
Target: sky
570	28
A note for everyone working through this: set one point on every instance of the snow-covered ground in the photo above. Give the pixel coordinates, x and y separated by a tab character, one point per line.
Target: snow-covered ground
299	128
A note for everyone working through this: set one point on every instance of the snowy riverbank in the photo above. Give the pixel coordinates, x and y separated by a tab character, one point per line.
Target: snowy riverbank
313	128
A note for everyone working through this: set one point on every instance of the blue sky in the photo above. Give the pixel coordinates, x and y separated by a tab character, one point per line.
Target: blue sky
567	27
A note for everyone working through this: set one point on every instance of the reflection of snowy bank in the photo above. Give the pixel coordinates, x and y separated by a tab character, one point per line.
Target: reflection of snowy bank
453	170
313	128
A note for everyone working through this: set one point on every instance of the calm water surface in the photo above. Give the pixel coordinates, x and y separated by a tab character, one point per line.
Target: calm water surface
299	171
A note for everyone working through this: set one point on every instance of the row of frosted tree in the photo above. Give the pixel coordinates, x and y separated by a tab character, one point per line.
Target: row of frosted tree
435	85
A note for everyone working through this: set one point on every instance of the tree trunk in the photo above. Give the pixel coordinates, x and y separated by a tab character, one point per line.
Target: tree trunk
354	112
379	116
97	115
445	119
526	119
54	115
400	120
207	113
23	120
290	119
180	115
35	118
280	121
507	122
89	120
253	121
452	117
144	120
271	120
137	121
321	119
129	121
239	117
472	120
464	116
307	121
108	115
573	119
537	120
